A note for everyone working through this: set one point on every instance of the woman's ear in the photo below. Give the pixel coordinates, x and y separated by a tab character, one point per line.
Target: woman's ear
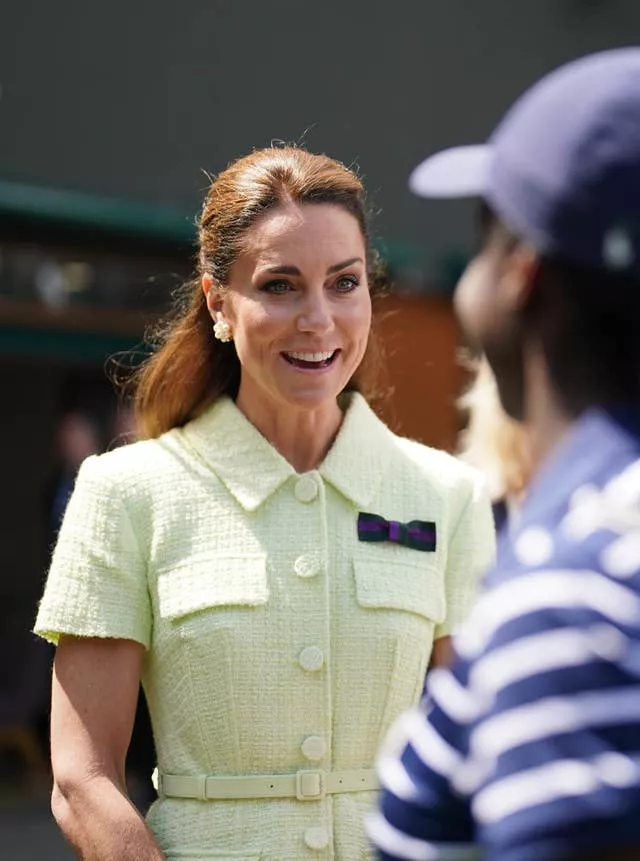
213	296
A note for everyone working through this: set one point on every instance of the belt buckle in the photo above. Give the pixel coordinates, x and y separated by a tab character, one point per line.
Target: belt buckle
200	787
310	785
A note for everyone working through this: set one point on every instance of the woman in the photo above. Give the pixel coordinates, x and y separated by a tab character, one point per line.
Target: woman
253	560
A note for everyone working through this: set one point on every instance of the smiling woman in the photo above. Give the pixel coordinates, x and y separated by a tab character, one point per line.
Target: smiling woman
269	223
277	567
298	308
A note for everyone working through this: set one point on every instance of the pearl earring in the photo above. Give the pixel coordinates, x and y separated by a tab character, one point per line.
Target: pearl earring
222	331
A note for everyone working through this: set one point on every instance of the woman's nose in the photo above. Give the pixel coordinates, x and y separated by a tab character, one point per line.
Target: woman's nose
316	315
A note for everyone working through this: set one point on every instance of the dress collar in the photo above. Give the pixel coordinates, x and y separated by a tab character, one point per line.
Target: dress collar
252	469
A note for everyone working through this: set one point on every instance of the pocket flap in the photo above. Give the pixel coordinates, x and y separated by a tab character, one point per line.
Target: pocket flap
400	585
218	581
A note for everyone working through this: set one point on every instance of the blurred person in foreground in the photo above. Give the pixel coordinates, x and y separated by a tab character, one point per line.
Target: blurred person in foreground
528	748
495	443
276	565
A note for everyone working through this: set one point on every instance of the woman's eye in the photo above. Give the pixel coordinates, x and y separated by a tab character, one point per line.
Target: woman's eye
276	287
346	283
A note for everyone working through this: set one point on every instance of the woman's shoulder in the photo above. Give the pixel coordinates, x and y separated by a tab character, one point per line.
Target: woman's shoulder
436	464
132	465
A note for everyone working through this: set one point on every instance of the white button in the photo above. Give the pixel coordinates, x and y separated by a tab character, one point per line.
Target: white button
316	837
311	659
306	489
307	566
313	747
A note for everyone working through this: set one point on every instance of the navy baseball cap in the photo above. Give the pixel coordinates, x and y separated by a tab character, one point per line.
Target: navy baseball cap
562	169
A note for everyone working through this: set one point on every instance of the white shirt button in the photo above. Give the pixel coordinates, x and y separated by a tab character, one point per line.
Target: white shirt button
307	565
316	837
313	747
306	489
311	659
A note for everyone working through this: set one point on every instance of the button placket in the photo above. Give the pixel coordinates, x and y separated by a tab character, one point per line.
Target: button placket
312	655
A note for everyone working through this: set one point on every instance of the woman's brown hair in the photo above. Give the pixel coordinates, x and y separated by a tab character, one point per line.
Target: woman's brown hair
189	368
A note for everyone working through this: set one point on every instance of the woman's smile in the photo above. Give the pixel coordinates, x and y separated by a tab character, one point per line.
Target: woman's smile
311	361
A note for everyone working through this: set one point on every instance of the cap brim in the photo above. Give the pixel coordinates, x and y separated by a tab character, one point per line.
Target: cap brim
459	172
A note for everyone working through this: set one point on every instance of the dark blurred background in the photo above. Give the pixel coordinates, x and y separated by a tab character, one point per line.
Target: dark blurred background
111	116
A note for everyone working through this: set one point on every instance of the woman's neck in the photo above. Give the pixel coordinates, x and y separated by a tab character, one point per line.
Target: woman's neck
302	437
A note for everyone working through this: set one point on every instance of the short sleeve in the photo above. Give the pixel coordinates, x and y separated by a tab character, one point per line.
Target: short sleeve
97	583
471	554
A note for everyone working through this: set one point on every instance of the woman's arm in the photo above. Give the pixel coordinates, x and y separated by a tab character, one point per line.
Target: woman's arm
441	653
94	695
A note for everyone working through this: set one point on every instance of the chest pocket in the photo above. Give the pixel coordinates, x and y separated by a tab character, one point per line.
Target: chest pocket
400	579
217	581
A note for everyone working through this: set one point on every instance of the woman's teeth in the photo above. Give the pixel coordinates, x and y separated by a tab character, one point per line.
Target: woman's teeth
311	357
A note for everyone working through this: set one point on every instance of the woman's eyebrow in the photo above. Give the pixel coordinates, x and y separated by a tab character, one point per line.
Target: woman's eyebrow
293	270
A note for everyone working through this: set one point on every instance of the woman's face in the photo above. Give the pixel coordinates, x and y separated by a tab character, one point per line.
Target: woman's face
298	306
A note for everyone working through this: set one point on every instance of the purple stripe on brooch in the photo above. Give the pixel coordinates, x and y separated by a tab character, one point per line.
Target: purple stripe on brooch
394	530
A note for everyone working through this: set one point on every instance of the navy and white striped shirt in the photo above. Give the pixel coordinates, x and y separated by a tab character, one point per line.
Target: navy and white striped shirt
529	747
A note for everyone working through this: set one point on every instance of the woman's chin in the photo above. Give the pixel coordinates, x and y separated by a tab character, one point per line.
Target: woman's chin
311	397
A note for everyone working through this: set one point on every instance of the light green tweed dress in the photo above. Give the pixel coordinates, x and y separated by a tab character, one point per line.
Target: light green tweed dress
277	641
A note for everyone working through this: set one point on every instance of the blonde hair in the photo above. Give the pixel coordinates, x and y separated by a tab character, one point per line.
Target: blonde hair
493	442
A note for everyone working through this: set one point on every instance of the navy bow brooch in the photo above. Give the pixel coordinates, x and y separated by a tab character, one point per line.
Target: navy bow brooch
417	534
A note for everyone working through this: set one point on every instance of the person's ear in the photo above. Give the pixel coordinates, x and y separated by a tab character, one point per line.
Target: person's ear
213	296
215	299
519	273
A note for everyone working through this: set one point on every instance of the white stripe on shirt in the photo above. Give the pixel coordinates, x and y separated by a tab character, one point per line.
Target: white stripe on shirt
412	728
553	782
395	777
432	749
552	716
545	590
452	698
623	490
540	653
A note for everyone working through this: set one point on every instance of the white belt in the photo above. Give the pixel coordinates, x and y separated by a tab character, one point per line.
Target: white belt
303	785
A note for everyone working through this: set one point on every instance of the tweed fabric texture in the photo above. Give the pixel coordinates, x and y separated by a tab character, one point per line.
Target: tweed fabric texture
267	623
